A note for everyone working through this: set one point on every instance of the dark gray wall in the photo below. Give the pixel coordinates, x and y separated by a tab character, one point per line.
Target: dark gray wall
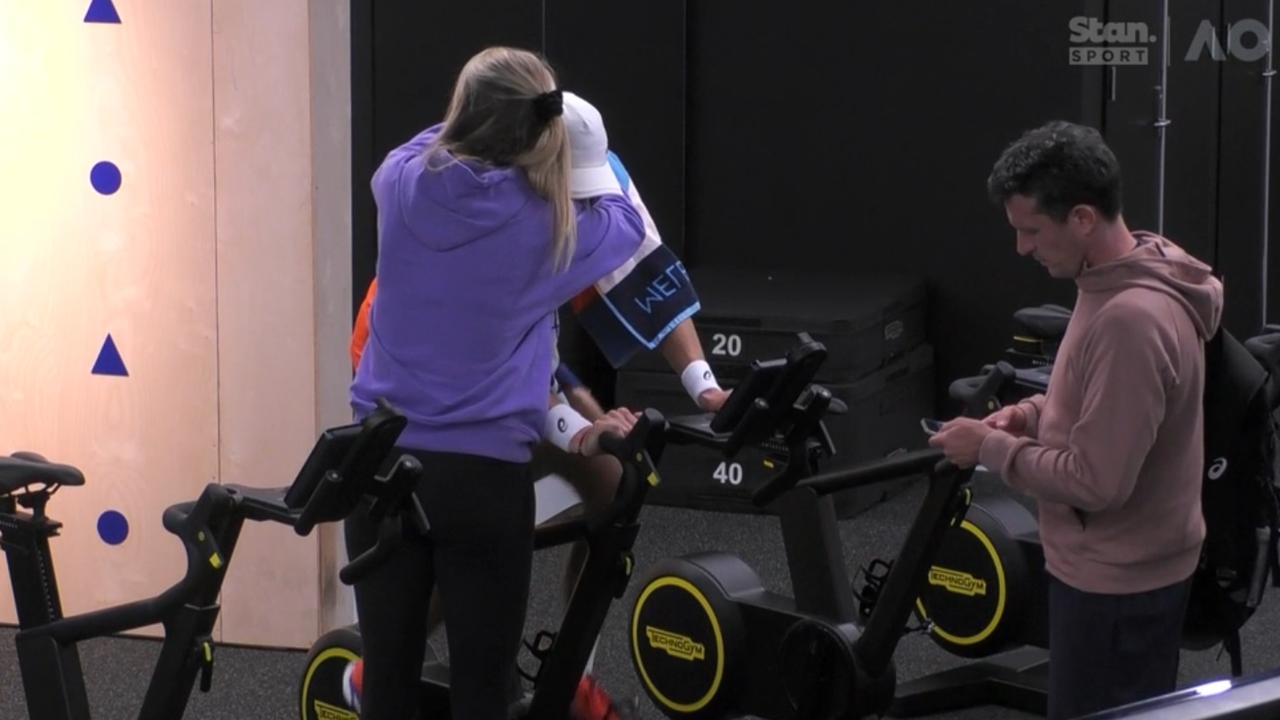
856	136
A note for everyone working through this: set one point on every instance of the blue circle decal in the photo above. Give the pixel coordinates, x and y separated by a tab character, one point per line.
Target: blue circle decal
105	177
113	528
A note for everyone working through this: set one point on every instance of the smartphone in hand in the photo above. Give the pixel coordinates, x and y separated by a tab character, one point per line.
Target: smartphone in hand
930	426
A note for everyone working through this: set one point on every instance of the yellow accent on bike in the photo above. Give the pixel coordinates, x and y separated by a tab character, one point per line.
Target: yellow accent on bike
960	583
325	711
685	585
675	645
996	616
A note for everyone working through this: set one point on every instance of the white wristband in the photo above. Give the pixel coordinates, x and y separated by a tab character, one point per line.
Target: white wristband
563	422
698	378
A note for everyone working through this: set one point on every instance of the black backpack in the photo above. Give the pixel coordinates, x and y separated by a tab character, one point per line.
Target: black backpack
1240	497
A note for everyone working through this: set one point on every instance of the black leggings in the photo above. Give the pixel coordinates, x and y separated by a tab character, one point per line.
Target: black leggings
479	551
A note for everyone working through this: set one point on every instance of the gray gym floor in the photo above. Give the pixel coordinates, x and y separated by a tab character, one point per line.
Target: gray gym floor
259	684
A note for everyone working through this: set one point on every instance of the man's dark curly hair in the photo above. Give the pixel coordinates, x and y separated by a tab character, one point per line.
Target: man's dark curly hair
1060	165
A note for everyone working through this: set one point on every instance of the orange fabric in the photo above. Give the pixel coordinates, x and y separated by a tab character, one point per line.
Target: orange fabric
360	333
583	299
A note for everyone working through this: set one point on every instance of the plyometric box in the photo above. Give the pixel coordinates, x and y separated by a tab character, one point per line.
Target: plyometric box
747	315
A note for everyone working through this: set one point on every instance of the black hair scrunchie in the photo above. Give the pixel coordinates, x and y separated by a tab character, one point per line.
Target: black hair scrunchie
548	105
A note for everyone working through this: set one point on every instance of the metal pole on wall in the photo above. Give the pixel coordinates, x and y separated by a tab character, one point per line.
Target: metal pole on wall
1267	74
1162	122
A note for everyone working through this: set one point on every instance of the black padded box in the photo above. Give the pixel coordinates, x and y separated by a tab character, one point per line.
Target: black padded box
865	321
885	408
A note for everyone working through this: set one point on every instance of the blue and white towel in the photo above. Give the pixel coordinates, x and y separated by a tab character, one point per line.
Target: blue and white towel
635	307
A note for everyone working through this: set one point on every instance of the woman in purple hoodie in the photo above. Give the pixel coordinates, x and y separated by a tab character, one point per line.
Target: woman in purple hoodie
479	243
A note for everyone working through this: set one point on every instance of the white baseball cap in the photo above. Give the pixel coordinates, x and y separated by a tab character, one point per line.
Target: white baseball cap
590	173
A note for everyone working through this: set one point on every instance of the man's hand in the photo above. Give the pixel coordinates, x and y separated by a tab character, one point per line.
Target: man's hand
961	439
619	421
712	400
1010	418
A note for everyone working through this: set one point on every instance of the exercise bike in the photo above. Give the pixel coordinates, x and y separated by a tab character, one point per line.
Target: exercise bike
338	472
708	641
561	656
987	597
987	590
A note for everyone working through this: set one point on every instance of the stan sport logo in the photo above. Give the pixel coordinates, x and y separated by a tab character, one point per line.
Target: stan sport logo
1094	42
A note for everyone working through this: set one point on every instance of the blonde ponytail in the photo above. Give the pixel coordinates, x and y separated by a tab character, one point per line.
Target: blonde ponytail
547	165
494	116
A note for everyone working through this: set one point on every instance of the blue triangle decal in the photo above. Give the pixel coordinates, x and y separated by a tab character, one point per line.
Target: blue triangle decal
109	361
102	11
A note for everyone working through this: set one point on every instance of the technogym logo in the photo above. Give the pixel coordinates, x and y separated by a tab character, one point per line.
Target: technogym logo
1094	42
325	711
957	582
677	646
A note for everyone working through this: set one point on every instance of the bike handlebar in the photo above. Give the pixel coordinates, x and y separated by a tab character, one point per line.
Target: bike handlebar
399	503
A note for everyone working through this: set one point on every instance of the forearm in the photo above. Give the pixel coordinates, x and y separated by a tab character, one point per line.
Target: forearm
1061	475
581	399
682	346
577	394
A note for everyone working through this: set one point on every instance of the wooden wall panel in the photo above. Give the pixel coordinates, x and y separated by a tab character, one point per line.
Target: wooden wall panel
331	212
136	264
265	300
220	267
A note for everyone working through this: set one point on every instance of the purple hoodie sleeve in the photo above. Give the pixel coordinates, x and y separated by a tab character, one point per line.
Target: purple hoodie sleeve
1125	370
610	231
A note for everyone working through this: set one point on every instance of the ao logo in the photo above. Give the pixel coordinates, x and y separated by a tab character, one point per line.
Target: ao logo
1247	40
1218	468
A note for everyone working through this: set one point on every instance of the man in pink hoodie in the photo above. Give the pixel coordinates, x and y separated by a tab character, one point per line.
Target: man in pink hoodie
1113	452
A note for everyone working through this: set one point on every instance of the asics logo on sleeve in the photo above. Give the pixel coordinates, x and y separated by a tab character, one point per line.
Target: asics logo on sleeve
1218	468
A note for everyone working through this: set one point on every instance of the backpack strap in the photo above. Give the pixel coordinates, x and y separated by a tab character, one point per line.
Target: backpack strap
1274	551
1231	643
1271	512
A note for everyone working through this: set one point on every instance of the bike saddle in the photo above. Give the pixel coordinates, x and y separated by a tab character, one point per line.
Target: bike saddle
1047	322
26	468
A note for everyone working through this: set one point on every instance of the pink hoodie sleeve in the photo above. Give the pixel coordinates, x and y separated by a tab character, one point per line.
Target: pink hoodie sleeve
1032	407
1123	375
